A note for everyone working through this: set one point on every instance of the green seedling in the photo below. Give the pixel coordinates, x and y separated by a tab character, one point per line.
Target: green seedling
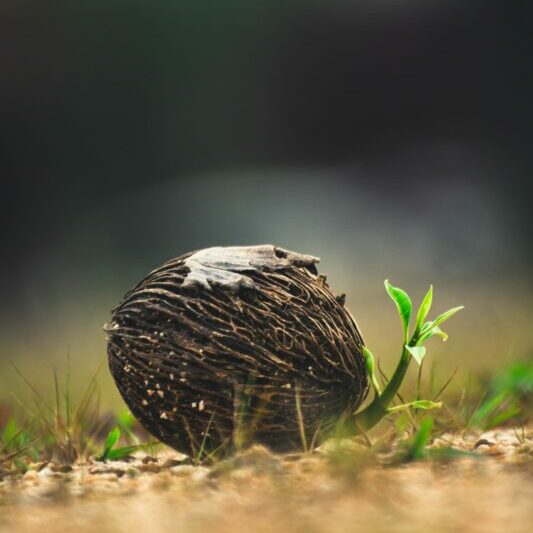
412	348
112	453
110	442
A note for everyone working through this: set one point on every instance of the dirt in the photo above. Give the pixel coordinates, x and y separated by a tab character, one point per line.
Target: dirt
488	490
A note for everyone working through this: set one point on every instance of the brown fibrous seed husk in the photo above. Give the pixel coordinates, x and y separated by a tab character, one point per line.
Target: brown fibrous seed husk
227	346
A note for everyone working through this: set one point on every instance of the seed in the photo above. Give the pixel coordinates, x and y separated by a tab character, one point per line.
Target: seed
258	329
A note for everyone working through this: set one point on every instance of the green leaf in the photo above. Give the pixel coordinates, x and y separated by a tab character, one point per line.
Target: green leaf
112	438
426	404
120	453
418	404
506	414
446	315
495	410
125	451
10	432
430	333
423	310
403	303
371	369
425	328
483	412
420	440
516	379
418	352
437	331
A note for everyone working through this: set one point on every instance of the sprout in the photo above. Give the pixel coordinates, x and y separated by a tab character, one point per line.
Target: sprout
412	348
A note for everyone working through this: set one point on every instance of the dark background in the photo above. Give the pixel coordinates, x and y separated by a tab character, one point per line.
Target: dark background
390	138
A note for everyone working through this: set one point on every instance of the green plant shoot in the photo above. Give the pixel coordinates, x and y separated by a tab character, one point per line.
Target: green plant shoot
412	348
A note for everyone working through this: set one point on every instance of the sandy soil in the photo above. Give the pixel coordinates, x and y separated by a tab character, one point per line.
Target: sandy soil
257	491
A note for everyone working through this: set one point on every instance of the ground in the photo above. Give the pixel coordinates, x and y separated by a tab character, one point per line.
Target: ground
334	490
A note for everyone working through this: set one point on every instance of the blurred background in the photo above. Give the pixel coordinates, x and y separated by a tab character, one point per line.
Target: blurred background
389	138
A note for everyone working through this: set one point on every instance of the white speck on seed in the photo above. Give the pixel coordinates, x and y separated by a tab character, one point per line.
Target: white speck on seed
286	386
171	377
201	405
144	402
193	405
163	415
161	393
150	392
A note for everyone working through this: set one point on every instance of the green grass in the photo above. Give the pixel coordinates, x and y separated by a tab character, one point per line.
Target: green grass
64	427
36	430
40	432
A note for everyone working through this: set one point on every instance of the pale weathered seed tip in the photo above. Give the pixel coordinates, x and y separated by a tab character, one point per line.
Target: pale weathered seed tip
225	266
